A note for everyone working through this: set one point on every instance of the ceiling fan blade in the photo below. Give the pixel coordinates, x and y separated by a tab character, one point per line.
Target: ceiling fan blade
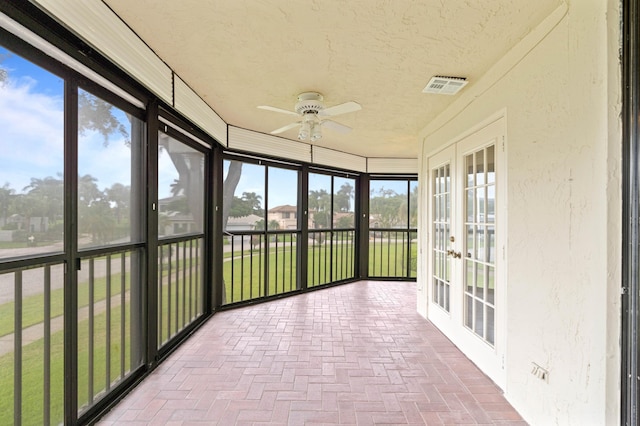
344	108
335	126
285	128
274	109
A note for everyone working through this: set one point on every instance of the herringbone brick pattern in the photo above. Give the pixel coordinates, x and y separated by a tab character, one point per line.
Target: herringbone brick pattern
356	354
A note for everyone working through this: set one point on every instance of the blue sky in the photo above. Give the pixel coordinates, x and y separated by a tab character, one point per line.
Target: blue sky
31	133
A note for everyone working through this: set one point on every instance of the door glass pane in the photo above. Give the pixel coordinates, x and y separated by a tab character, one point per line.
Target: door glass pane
32	160
470	204
480	244
180	188
491	204
491	284
491	244
480	180
468	311
470	171
491	170
491	326
479	319
441	233
480	205
470	243
109	189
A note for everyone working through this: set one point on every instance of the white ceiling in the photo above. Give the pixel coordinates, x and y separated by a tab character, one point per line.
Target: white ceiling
238	54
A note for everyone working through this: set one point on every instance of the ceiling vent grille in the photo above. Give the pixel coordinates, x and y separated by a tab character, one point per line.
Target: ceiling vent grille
445	85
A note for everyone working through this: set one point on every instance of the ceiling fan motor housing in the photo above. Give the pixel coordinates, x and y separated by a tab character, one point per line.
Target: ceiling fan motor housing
309	103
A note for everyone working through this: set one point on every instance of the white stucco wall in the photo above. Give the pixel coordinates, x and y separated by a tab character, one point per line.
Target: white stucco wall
561	93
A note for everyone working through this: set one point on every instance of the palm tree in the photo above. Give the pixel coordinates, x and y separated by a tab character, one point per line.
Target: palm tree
6	196
119	196
343	197
48	193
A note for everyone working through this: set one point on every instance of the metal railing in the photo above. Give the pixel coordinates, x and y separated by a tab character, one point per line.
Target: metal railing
180	285
109	322
31	344
392	253
331	256
259	264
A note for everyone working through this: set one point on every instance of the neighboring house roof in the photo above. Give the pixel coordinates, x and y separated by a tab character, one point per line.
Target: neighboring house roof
284	209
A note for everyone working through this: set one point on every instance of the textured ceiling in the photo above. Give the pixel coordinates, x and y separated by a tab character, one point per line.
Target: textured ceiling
238	54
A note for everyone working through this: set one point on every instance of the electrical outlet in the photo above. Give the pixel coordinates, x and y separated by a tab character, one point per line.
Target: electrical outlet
539	372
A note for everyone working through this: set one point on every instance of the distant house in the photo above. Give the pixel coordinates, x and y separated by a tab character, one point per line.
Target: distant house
30	224
243	223
286	216
173	220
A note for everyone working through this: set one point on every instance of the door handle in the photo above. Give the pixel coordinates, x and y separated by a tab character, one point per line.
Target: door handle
456	255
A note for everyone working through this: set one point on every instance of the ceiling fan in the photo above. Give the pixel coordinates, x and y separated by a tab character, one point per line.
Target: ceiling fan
311	111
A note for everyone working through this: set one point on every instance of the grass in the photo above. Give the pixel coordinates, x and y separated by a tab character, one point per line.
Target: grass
247	271
382	254
33	370
32	305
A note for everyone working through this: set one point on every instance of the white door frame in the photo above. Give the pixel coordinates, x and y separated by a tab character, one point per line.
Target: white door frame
490	359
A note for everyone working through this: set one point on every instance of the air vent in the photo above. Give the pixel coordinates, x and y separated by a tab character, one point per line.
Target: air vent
445	85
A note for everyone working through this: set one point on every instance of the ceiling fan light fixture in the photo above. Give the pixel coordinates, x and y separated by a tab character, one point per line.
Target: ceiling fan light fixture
305	129
310	109
316	132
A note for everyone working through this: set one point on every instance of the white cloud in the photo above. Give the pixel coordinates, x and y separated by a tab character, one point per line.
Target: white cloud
31	133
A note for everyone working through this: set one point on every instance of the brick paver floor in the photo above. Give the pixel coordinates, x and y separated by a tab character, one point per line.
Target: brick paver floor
356	354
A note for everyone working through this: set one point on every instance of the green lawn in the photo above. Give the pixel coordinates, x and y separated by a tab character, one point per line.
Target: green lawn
389	259
33	370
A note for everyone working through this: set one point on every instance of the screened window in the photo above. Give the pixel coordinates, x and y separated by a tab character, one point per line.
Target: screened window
331	252
261	230
109	153
180	188
393	220
32	160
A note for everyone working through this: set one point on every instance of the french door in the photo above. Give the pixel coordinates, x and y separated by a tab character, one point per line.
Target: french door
466	284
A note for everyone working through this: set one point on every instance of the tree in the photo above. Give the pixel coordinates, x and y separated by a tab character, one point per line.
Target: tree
94	210
190	167
97	115
119	197
47	197
413	207
389	208
249	203
234	172
6	196
4	74
274	224
345	222
343	197
319	201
